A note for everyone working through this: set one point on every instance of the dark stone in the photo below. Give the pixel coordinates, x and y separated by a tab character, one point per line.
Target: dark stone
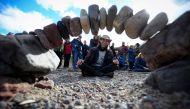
171	78
93	11
112	11
62	30
75	26
170	45
53	35
66	21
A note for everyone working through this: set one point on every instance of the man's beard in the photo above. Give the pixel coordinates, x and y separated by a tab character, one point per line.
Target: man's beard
102	48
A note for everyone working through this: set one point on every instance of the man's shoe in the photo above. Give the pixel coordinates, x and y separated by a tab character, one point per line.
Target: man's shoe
110	75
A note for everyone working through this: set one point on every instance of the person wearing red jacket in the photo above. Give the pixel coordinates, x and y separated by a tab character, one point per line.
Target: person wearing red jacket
67	52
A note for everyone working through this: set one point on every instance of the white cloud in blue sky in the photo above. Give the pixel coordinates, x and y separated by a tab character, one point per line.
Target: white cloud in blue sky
20	15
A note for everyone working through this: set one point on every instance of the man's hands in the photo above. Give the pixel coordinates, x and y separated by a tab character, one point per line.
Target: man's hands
80	61
115	61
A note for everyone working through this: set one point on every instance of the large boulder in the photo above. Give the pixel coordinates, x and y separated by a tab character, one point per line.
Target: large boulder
112	12
93	12
84	20
157	24
168	53
125	13
135	24
24	55
102	18
170	44
75	26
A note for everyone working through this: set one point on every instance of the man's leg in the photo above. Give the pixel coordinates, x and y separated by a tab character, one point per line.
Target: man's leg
88	70
75	58
108	70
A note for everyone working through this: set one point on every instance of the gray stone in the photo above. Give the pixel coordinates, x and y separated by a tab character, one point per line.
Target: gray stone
112	11
84	20
124	14
25	55
44	41
157	24
75	26
135	24
93	12
102	18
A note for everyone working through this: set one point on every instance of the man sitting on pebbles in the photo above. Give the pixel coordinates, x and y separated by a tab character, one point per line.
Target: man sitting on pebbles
99	60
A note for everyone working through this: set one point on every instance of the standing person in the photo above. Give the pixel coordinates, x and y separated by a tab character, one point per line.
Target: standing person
137	49
76	51
122	52
113	50
85	49
94	41
99	60
67	52
59	53
131	57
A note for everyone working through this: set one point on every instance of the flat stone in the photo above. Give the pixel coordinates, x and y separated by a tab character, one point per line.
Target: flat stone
135	24
124	14
157	24
112	11
93	11
43	39
62	30
102	18
75	26
45	84
84	20
66	22
52	34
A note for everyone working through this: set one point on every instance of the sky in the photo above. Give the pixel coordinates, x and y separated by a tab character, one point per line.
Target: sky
28	15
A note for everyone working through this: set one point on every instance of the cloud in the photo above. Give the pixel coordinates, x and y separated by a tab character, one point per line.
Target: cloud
15	20
62	6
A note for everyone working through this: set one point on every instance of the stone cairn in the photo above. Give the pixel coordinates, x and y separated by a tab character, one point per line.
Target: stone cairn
167	50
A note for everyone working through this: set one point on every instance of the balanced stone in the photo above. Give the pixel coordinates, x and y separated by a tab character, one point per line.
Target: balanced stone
53	36
24	55
66	22
44	41
62	30
102	18
157	24
135	24
112	11
125	13
84	20
93	11
75	26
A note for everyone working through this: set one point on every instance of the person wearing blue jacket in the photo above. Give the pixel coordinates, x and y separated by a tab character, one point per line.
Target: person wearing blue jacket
140	64
76	51
131	57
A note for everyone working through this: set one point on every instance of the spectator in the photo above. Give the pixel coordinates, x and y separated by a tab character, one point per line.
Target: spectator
113	50
131	57
85	49
122	52
140	64
99	60
76	51
67	52
137	49
94	41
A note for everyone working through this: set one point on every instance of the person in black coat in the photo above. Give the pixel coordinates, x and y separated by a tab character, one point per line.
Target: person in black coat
99	60
85	49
